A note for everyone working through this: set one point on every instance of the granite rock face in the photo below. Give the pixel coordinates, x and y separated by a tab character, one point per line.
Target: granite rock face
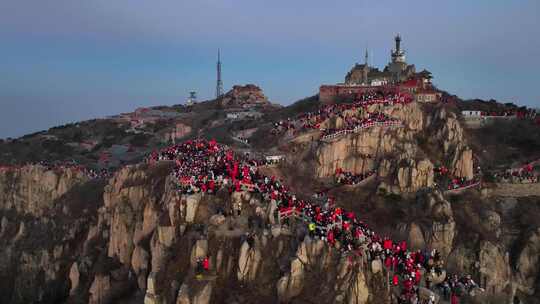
134	239
245	95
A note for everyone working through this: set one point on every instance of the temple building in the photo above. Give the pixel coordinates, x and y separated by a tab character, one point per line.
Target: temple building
396	74
397	70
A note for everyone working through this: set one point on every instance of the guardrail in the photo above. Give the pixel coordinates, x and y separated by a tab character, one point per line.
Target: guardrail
361	127
293	212
460	189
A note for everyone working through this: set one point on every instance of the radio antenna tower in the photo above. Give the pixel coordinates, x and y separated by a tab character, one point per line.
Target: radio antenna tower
219	84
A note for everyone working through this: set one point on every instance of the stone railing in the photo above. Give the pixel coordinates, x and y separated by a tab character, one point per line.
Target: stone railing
389	123
296	214
462	188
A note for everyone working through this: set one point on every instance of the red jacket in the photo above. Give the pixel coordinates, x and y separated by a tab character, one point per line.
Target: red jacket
331	237
388	262
395	280
403	246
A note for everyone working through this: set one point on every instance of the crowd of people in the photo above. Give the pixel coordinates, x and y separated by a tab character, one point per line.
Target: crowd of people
525	174
453	286
62	166
349	178
205	166
313	120
243	140
455	183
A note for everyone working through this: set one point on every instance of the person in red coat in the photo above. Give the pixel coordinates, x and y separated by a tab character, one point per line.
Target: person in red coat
418	276
387	244
454	299
388	262
403	246
331	237
206	264
395	280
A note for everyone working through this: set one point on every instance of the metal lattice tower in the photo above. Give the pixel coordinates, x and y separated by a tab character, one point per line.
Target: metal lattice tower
219	84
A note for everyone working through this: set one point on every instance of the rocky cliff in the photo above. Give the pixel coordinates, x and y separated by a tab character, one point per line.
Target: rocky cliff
44	217
393	152
133	239
136	239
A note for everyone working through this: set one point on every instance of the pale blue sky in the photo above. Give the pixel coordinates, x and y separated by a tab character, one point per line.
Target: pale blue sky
65	60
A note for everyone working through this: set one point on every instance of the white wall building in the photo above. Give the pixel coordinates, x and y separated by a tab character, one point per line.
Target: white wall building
471	113
243	115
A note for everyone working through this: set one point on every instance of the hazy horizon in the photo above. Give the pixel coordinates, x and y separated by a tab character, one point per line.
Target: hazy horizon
65	61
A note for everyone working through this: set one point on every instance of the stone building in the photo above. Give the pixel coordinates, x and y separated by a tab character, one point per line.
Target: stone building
398	67
397	74
397	70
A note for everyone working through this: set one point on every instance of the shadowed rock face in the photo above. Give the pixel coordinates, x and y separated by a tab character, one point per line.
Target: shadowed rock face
144	242
33	190
135	242
349	152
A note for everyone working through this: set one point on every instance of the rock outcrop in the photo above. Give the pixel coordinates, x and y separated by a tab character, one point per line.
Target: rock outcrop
240	96
494	267
33	189
463	163
351	152
248	262
527	270
415	175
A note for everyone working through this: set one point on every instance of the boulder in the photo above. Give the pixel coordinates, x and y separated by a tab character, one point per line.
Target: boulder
436	279
276	231
441	236
74	277
3	225
248	262
491	221
463	163
425	294
160	254
527	270
376	266
192	203
244	95
217	219
291	284
167	235
204	295
359	292
183	295
495	272
451	133
414	175
199	251
416	239
139	259
461	260
100	289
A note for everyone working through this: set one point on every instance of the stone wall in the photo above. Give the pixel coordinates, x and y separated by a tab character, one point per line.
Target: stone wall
514	190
